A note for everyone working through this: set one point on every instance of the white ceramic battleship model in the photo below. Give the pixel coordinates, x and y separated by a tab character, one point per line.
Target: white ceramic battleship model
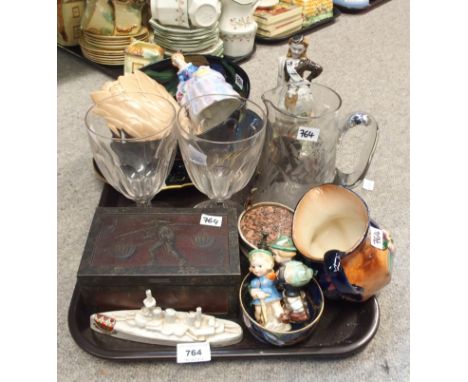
153	325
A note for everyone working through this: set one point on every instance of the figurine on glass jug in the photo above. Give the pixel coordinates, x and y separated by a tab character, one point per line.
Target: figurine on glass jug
304	131
266	297
295	64
237	27
291	275
291	71
197	81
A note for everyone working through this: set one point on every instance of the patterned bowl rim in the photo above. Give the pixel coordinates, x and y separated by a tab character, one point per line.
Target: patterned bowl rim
304	329
253	206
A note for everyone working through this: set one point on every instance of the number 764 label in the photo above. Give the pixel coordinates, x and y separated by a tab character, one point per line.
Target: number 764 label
193	352
310	134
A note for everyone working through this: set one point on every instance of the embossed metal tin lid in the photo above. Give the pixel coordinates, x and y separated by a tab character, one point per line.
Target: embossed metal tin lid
137	246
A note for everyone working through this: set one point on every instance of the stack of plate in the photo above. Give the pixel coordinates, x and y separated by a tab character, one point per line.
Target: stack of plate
108	50
193	40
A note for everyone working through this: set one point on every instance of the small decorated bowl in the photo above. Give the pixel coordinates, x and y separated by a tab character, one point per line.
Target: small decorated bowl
299	332
274	219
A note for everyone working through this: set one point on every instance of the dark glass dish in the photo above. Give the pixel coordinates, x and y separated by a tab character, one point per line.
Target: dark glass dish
166	74
115	71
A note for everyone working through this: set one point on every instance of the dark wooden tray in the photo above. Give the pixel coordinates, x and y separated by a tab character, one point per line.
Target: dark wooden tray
313	27
344	329
372	4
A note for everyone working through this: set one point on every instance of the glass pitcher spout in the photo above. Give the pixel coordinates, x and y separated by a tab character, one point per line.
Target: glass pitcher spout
268	97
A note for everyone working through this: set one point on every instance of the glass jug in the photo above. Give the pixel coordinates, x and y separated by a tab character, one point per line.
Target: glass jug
301	143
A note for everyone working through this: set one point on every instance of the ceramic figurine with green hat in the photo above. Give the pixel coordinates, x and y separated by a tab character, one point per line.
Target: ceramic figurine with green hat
266	298
291	275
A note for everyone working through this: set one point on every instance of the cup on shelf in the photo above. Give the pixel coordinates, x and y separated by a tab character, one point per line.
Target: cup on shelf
204	13
170	12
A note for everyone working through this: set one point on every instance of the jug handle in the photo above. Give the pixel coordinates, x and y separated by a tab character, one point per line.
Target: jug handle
353	120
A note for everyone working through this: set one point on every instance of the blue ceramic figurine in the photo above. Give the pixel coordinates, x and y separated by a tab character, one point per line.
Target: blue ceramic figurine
266	298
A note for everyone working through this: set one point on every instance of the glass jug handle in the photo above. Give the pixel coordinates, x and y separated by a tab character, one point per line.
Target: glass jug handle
353	120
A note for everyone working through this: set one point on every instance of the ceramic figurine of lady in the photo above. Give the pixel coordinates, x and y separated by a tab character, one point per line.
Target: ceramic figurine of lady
295	64
298	99
197	81
291	276
266	298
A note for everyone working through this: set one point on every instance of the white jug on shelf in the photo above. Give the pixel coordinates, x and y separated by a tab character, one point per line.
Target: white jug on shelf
237	26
